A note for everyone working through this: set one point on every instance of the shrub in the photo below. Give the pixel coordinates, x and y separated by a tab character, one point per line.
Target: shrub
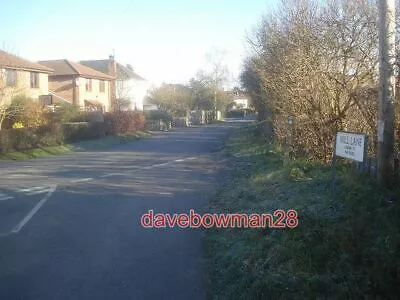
27	112
158	119
18	125
17	139
155	115
74	132
123	122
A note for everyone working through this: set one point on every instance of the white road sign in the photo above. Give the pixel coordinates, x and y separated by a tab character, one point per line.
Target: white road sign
350	145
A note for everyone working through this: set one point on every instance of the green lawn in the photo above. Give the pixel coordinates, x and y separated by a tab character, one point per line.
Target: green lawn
344	247
80	146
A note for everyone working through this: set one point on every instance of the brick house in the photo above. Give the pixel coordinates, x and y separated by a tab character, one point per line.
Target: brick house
19	76
127	85
79	85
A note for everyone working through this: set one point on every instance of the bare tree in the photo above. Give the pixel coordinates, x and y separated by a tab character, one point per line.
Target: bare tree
311	61
123	101
175	98
218	74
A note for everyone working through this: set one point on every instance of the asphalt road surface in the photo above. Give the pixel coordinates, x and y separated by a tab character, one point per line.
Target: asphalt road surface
70	225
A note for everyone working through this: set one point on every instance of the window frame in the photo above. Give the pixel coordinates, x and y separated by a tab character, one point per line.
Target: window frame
102	86
34	80
10	83
89	85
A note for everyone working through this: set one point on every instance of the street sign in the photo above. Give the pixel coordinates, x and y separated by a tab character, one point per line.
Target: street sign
351	145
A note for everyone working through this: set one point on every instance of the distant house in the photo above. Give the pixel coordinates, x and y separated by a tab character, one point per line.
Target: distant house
240	99
241	103
129	85
79	85
22	77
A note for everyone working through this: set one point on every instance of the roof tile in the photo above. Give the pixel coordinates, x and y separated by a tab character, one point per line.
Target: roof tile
11	61
67	67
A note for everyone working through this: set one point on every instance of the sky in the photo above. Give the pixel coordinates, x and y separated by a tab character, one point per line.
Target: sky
164	41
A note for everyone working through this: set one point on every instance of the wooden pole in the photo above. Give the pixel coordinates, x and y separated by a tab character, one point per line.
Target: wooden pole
386	91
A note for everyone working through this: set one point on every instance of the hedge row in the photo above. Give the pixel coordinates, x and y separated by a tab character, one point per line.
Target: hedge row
123	122
74	132
17	139
52	134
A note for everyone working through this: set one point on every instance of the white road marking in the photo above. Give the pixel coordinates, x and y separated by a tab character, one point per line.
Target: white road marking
136	168
167	163
164	193
111	174
153	166
224	160
46	190
81	180
32	189
5	197
34	210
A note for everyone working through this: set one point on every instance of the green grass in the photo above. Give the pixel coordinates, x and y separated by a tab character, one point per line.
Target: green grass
68	148
345	247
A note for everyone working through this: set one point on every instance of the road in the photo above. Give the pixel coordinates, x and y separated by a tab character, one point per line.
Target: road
70	225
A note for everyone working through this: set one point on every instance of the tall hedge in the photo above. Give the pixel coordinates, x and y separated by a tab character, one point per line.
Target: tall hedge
123	122
74	132
31	137
54	133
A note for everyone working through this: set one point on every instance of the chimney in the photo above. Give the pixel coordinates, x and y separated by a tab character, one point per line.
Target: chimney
112	70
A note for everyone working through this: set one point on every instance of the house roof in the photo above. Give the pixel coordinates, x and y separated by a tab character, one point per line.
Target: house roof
66	67
122	71
14	62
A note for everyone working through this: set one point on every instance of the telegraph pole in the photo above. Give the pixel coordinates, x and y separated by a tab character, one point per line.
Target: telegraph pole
387	56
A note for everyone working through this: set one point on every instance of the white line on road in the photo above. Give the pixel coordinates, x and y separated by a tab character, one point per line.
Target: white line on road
33	189
34	211
5	197
170	162
224	160
158	165
136	168
81	180
46	190
111	174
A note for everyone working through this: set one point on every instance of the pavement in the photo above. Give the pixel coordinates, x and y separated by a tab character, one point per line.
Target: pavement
70	225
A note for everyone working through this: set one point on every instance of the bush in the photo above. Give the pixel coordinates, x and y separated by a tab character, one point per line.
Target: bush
158	120
123	122
74	132
17	139
55	133
156	115
18	125
180	122
66	113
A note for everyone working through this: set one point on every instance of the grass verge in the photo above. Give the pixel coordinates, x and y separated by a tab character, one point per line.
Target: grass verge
80	146
344	247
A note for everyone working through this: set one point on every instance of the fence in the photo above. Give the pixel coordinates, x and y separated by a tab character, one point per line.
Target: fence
369	167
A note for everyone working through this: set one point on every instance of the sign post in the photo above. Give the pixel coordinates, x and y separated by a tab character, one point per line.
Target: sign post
351	146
